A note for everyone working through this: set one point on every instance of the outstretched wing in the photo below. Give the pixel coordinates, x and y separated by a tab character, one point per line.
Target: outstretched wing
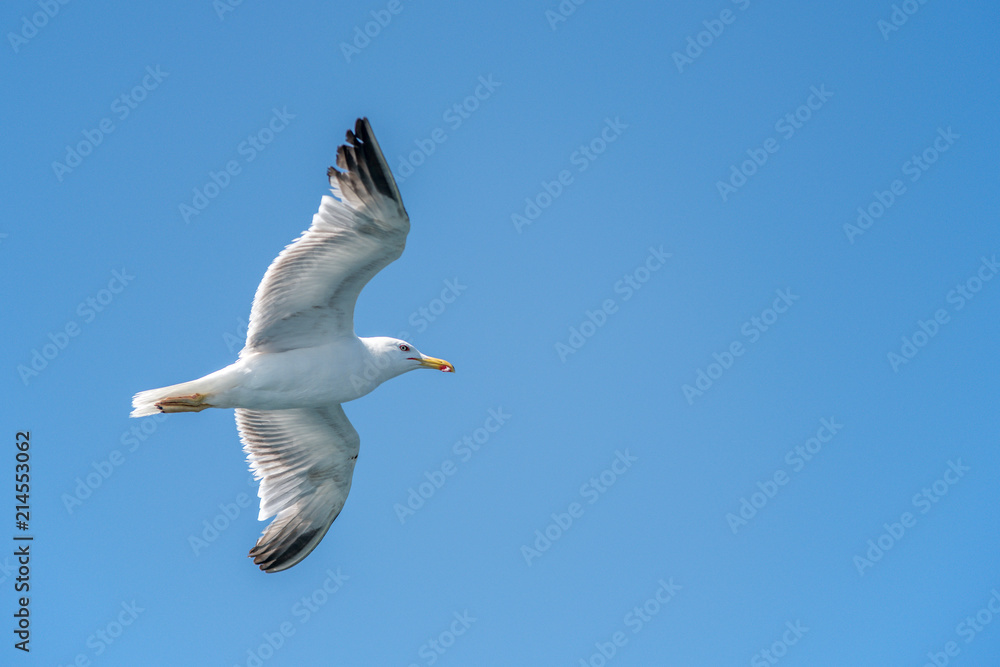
304	459
308	294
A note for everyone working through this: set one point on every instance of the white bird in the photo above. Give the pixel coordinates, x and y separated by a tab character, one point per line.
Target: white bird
302	358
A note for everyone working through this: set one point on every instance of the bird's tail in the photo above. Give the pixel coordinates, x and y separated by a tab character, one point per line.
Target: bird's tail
165	399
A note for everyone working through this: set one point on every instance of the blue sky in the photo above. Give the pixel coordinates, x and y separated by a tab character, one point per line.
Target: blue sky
717	279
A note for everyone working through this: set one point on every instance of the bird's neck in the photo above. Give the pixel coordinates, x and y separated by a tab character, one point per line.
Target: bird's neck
378	365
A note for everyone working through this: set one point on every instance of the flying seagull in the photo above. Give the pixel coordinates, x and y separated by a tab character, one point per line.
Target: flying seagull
302	358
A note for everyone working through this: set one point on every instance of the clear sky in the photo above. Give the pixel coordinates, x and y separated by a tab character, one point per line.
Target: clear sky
719	280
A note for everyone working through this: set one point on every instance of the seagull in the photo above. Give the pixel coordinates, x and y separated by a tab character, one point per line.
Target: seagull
302	359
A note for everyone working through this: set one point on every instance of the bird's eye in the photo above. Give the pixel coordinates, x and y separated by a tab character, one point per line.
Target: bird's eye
404	348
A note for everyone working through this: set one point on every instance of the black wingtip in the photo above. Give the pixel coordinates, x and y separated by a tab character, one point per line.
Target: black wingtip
272	560
361	170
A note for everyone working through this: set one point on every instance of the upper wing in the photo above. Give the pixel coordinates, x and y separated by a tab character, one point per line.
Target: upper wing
308	294
305	459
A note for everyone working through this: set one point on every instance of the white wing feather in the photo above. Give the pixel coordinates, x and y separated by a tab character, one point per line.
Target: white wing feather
304	459
307	295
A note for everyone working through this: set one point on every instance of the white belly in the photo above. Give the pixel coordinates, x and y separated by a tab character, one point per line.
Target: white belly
309	377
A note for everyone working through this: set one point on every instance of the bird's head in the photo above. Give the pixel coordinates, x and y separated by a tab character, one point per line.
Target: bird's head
404	357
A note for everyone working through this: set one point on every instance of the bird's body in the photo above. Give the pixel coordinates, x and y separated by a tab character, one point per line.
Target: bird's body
302	378
302	358
337	372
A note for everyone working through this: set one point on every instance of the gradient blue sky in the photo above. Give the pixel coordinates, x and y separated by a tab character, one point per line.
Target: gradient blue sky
667	191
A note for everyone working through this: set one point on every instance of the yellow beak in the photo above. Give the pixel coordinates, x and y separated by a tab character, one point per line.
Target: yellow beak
437	364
